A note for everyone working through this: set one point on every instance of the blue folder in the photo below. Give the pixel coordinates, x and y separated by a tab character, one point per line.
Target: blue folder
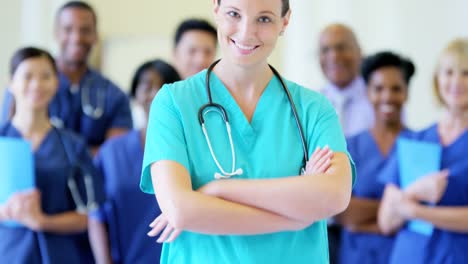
417	159
17	169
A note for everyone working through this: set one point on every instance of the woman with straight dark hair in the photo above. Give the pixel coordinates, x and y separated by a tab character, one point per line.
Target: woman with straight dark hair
51	218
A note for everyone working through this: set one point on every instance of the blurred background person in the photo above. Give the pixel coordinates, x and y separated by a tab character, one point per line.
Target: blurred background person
387	76
340	59
121	236
195	44
53	222
439	198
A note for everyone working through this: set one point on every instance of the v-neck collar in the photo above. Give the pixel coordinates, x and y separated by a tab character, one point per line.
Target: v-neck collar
376	146
17	133
237	119
435	133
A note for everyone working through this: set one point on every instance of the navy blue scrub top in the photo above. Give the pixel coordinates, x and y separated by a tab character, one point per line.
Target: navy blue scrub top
127	211
52	169
443	246
67	105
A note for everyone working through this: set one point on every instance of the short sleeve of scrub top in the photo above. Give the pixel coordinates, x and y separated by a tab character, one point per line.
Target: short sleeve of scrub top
328	132
165	140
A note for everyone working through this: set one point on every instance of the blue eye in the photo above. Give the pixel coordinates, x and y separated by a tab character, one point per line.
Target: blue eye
264	19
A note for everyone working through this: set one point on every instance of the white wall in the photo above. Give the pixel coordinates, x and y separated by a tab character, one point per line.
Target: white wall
133	31
24	23
10	36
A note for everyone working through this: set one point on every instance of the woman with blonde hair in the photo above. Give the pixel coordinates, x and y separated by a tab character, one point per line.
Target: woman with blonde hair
441	198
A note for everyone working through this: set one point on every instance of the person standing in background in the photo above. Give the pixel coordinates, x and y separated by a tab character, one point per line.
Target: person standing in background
195	44
340	60
439	198
123	219
387	76
53	216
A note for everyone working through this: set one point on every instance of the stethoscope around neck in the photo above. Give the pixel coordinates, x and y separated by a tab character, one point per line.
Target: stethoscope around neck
93	112
217	108
81	206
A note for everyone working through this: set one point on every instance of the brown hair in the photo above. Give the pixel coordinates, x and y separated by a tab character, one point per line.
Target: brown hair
457	49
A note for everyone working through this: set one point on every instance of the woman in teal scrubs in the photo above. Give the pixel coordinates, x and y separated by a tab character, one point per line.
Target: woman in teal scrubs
240	198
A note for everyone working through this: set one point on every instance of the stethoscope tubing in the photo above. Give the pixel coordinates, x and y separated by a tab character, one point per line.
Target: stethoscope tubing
225	117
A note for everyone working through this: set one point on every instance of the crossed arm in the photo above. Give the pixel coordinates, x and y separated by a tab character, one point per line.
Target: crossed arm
241	206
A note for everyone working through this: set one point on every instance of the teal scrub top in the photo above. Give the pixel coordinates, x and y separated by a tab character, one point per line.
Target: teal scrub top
267	147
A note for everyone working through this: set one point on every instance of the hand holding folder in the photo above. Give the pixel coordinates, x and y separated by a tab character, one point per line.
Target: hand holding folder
16	169
417	159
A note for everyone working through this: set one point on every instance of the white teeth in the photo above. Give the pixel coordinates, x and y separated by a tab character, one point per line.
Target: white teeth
240	46
386	108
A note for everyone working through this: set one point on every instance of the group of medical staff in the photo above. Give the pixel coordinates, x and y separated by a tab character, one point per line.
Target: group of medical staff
370	95
92	168
68	111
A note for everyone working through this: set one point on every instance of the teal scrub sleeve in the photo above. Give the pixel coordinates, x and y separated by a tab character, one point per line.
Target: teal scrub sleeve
327	131
165	138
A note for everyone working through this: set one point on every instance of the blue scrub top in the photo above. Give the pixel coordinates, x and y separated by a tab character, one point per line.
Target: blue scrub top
66	106
267	147
442	246
367	247
52	169
127	211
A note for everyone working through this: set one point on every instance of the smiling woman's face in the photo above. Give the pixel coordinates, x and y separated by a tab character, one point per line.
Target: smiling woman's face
248	29
452	82
387	91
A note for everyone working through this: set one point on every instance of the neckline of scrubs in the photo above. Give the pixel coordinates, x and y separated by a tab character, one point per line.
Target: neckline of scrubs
41	145
453	143
376	146
236	116
66	83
